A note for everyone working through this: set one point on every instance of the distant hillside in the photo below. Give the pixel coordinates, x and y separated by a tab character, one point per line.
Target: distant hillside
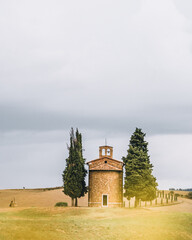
180	189
39	197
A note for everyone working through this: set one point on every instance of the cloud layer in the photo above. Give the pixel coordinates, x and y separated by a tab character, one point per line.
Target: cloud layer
105	67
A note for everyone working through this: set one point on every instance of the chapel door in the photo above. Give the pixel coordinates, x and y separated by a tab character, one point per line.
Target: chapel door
105	200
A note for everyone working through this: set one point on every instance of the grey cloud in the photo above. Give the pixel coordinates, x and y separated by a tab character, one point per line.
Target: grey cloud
154	120
184	7
103	66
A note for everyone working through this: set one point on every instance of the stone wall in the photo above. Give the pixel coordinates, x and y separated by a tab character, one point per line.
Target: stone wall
105	182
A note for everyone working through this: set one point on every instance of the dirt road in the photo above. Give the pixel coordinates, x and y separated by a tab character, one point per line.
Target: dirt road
184	206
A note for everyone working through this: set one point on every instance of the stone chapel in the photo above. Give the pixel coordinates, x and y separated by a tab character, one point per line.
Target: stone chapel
105	180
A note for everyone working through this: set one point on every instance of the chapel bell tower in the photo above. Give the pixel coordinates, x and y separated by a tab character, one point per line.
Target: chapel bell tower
105	151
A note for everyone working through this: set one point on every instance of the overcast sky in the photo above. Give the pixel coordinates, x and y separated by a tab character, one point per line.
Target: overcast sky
103	66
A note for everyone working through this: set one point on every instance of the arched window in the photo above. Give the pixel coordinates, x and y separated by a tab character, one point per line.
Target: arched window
108	152
103	152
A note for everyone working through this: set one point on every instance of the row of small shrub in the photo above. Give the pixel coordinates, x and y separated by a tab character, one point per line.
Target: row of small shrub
61	204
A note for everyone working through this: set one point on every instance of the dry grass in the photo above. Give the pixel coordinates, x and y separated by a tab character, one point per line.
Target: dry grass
44	198
47	222
36	198
94	223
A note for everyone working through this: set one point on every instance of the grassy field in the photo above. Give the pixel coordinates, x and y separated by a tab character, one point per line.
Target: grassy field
47	198
94	223
36	218
36	197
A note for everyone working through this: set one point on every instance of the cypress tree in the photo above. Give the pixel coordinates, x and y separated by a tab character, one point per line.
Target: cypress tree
75	172
139	181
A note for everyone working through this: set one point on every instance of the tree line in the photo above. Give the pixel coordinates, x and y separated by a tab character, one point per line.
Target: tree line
139	180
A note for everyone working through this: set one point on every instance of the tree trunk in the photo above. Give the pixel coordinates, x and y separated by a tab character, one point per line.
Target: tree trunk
75	202
72	202
136	202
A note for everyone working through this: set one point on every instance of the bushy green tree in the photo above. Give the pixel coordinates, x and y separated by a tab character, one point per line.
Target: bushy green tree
75	172
139	181
189	195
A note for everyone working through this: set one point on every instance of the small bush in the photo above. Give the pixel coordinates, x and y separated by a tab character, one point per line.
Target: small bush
61	204
189	195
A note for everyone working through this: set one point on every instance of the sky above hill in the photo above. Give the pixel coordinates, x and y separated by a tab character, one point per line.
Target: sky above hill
105	67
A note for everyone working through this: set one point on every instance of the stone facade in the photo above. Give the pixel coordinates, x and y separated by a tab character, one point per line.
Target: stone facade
105	180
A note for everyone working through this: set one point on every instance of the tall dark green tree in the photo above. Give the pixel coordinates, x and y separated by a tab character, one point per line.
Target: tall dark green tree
139	181
75	172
